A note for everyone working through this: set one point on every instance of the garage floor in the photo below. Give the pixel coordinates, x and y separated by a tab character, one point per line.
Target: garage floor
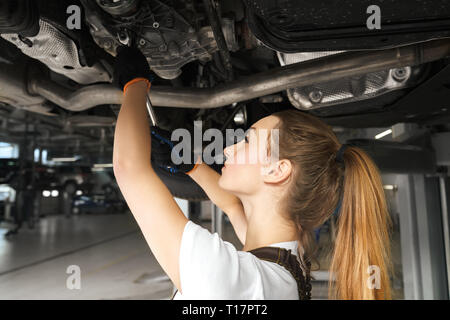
114	259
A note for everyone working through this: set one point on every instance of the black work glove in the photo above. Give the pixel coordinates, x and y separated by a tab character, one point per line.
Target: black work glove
161	152
130	64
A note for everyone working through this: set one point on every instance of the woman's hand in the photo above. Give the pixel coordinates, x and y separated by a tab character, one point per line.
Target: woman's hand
130	64
162	146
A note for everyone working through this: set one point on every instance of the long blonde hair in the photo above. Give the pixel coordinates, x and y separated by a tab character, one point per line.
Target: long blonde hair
319	183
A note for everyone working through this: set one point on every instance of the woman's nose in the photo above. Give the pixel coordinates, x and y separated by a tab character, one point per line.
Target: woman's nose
231	151
227	152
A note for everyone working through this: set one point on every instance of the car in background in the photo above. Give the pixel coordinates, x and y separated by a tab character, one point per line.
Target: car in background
72	178
98	203
63	178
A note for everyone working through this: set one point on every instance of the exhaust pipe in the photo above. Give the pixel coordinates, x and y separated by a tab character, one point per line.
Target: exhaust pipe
324	69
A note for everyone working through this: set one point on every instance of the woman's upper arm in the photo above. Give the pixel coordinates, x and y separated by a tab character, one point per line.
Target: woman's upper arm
160	219
236	214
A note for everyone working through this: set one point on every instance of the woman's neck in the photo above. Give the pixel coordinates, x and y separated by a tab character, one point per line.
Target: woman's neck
265	225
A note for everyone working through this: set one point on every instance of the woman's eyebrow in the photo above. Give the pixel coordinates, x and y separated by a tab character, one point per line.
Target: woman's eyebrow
250	129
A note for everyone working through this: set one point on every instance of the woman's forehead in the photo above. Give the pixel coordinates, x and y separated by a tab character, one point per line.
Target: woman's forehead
268	122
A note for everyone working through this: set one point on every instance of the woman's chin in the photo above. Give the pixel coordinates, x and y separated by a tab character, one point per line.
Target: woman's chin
223	184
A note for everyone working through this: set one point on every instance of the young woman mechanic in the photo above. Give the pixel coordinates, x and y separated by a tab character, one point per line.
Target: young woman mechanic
274	207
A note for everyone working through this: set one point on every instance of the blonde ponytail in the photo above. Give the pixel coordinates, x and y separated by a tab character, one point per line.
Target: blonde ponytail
361	259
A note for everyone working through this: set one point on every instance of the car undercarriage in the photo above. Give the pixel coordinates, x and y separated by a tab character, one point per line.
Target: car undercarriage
226	63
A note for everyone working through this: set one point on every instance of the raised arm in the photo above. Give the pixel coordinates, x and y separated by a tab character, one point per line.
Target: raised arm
156	212
208	180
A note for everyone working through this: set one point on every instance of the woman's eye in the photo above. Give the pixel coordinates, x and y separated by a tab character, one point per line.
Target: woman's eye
246	138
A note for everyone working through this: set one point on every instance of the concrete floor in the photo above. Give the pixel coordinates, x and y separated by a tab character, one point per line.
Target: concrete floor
114	260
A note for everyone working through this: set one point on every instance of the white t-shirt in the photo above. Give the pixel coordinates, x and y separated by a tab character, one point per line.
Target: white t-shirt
211	268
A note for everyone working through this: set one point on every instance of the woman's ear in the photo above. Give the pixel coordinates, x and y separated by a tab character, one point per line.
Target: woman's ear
277	172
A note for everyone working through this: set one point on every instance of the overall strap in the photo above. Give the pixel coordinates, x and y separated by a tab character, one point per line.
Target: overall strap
173	295
289	261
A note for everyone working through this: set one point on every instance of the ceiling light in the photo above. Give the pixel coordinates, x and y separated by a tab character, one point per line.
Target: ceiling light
383	134
103	165
65	159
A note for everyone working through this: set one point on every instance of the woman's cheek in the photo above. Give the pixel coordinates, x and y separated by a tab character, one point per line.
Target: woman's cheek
242	173
240	179
232	171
